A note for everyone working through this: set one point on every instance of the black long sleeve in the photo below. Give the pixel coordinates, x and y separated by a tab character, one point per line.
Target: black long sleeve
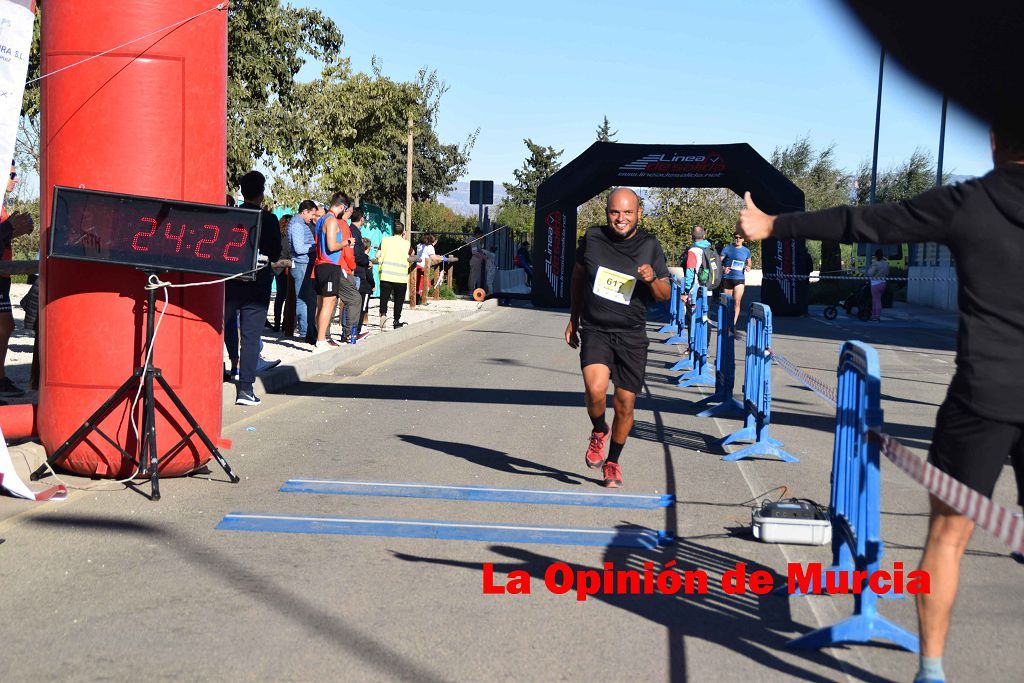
270	236
362	260
925	218
982	223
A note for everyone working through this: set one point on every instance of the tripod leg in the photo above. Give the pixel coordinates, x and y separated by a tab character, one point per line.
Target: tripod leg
199	430
90	425
149	455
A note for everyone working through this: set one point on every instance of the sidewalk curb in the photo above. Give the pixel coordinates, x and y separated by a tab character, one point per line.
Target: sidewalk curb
287	374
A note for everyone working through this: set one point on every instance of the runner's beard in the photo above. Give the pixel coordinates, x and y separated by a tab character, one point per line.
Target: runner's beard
620	238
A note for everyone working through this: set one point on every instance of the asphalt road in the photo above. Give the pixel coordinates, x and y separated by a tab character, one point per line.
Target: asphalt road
110	586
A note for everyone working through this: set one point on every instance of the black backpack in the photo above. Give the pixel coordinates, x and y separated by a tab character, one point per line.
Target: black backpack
709	274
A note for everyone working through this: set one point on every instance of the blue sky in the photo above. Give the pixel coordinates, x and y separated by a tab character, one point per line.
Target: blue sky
662	71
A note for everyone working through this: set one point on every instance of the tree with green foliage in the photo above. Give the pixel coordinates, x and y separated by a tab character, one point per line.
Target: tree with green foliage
605	132
268	43
436	166
429	216
519	217
592	211
540	165
673	211
824	185
905	180
343	130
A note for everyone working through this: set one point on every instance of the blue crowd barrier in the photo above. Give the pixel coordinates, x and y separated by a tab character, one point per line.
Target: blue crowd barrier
856	502
699	370
682	330
722	401
757	391
673	309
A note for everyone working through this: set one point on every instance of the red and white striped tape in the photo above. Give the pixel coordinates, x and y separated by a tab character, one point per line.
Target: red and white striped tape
989	515
823	390
862	278
994	518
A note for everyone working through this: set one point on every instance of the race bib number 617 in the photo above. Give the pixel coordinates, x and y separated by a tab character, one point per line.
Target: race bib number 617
614	286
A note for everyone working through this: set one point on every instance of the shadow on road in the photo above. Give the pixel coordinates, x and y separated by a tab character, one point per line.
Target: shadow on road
750	625
319	620
498	460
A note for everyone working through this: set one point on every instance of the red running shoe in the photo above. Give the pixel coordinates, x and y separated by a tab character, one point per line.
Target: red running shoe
595	451
612	475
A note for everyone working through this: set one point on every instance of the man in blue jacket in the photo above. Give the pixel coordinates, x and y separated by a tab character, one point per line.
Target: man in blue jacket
300	237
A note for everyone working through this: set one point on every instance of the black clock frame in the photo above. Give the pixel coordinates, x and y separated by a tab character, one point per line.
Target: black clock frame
157	210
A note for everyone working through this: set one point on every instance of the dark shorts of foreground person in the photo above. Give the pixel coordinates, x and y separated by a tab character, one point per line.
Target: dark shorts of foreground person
623	352
973	449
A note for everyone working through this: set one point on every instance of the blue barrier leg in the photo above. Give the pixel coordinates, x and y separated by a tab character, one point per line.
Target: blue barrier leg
861	628
728	407
698	376
669	329
682	364
743	434
761	448
676	339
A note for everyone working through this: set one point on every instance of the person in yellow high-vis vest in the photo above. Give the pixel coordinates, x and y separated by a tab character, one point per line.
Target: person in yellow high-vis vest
393	257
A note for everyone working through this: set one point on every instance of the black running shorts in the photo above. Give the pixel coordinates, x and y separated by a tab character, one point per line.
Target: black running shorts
973	449
328	279
624	353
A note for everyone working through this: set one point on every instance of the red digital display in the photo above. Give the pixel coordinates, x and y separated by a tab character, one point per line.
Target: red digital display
153	234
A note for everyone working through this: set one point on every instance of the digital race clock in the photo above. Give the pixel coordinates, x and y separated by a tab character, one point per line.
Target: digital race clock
153	234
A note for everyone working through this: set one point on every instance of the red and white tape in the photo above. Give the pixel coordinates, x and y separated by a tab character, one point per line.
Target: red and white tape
862	278
989	515
994	518
823	390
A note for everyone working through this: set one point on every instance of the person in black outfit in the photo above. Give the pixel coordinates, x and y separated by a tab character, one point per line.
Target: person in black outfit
981	421
619	270
249	299
354	330
523	260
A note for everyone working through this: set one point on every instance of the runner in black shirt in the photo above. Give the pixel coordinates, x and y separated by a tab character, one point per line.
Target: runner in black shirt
619	270
981	420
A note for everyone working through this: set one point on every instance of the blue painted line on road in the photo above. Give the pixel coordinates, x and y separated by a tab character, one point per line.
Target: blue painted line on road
479	493
628	537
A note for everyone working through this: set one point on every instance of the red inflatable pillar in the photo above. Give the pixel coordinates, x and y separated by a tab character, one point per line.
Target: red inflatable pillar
148	119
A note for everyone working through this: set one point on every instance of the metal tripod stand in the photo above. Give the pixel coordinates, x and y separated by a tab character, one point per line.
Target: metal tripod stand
148	461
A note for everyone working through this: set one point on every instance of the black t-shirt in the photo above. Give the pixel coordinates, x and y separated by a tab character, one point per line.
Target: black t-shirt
619	299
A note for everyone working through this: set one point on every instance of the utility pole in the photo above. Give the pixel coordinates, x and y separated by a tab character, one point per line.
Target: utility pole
408	182
408	211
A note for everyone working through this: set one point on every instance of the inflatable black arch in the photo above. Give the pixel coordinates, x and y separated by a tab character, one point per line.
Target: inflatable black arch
605	164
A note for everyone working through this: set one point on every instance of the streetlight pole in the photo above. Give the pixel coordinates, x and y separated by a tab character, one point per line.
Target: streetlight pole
878	123
942	141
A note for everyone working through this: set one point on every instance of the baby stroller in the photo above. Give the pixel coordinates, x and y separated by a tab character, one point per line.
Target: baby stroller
857	303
